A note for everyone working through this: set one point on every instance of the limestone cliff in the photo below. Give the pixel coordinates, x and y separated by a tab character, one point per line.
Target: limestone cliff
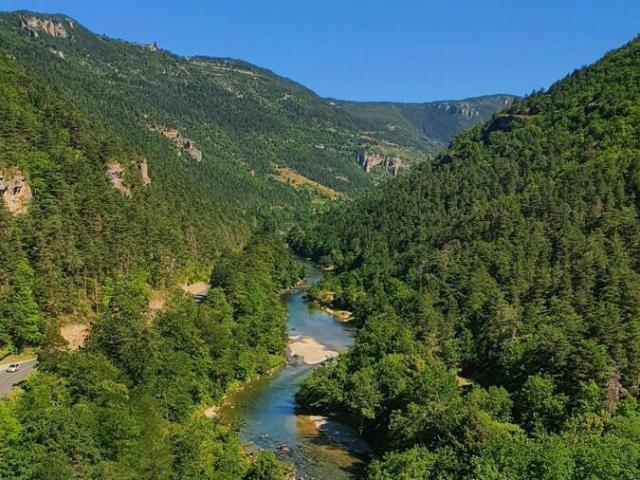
144	172
182	143
116	175
459	108
33	26
15	191
368	161
152	47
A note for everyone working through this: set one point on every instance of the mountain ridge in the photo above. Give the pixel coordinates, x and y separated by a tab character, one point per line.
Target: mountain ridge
435	122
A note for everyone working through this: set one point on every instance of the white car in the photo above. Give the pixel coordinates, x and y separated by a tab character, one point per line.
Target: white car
13	368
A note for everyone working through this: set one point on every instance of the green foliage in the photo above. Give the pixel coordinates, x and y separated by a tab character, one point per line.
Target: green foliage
267	467
24	322
511	260
125	407
417	463
64	120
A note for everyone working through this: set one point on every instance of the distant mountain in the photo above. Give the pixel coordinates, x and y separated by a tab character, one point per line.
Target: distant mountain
430	125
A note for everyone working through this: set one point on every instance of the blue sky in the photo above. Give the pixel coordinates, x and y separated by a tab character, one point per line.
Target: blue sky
400	50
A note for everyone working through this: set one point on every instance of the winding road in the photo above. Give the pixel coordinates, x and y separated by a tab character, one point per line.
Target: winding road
8	380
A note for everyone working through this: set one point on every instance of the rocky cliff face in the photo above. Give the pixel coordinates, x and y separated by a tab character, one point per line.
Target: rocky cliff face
116	175
182	143
33	26
15	190
460	108
144	172
368	161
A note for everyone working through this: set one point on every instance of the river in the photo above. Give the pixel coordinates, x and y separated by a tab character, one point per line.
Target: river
320	449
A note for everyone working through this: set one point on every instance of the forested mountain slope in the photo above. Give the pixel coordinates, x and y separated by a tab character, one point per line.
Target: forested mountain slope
512	261
125	171
119	158
78	245
430	125
245	121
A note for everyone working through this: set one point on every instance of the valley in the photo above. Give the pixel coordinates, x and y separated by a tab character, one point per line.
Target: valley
318	448
209	271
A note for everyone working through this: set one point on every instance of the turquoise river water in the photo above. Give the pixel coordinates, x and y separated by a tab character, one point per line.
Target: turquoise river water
265	408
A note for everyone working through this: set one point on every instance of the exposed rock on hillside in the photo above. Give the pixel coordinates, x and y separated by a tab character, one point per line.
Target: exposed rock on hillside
75	335
33	25
459	108
57	53
369	161
144	172
199	290
393	165
15	191
115	172
182	143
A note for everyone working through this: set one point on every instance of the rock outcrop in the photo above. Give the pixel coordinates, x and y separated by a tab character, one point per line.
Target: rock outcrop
57	53
33	26
369	161
393	165
182	143
144	172
75	334
15	191
459	108
115	172
152	47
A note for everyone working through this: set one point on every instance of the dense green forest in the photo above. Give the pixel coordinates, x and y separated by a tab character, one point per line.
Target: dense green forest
77	106
128	405
496	289
210	135
497	294
90	247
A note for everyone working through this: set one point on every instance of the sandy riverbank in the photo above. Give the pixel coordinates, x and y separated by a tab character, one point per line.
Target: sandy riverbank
308	350
343	316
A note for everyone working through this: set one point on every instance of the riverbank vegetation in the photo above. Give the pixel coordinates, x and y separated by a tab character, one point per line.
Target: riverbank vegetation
126	406
497	294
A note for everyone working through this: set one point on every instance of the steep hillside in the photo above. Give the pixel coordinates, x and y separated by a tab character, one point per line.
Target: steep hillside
511	261
240	120
430	126
119	157
85	233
